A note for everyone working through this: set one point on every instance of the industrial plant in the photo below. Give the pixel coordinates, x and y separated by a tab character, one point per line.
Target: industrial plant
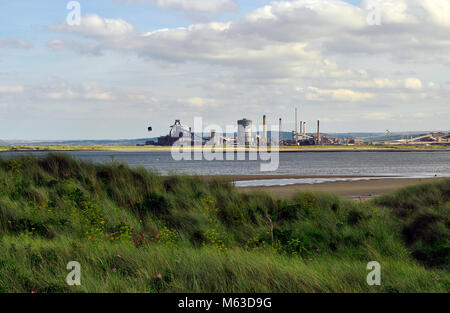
425	139
248	136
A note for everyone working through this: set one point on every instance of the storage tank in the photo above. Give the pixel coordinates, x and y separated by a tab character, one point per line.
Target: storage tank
245	136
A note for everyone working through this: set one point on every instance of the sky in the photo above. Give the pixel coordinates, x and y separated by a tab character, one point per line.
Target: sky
131	64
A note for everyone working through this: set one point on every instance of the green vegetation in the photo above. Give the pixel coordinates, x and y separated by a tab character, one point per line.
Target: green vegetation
135	231
62	148
369	147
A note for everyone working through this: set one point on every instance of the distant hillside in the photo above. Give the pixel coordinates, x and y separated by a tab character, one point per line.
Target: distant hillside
118	142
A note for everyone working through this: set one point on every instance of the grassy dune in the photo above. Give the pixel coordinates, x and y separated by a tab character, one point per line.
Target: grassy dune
135	231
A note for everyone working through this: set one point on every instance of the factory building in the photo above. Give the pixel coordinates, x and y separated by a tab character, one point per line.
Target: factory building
177	132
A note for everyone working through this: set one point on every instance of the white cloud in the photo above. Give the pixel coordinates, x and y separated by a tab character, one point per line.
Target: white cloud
315	93
11	89
61	90
15	43
323	48
61	45
413	83
95	26
198	102
410	32
438	10
396	12
387	84
210	6
371	83
377	116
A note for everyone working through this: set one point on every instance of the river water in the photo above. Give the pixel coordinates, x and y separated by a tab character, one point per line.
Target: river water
402	164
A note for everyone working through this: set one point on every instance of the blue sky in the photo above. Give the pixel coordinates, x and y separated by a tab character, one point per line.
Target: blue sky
137	62
29	19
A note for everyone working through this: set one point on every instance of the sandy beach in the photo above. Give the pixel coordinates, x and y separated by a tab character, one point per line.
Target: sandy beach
349	189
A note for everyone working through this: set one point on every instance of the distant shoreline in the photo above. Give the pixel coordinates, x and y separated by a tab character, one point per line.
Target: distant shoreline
284	149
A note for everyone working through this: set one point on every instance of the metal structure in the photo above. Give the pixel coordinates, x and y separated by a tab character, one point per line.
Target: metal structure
318	132
177	132
265	129
247	136
280	134
245	133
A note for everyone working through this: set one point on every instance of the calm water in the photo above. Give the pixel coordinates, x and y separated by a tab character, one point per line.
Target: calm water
406	164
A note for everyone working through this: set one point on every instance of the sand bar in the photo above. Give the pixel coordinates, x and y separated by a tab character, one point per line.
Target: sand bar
348	189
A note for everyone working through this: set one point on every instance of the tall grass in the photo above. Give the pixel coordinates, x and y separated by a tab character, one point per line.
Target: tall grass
125	226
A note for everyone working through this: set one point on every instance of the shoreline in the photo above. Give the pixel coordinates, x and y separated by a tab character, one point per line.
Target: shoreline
363	189
283	149
318	150
289	176
368	187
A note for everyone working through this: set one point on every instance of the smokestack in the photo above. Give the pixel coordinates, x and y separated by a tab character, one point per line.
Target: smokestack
279	133
301	129
265	129
296	126
318	132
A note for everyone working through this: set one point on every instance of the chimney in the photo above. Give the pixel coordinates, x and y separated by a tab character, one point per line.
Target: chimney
296	126
279	133
265	129
318	132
